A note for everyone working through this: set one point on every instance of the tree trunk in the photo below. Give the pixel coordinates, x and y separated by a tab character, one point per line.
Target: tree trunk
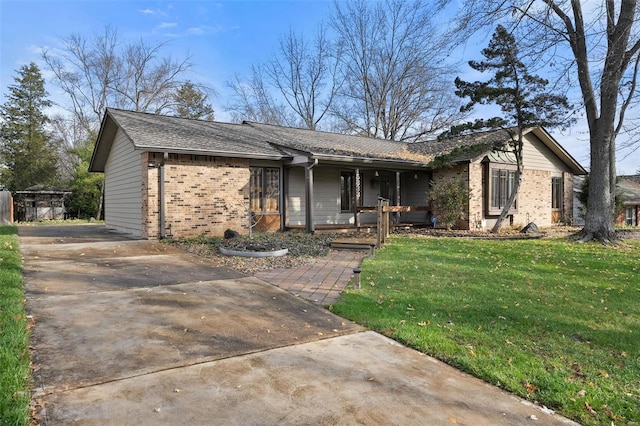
600	204
99	212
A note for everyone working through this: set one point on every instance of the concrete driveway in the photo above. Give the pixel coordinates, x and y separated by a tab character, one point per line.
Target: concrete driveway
136	332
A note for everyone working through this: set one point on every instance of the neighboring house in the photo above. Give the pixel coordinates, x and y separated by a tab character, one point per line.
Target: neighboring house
40	203
168	176
629	187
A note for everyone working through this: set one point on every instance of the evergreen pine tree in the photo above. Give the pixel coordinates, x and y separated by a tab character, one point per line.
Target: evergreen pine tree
26	148
522	97
191	102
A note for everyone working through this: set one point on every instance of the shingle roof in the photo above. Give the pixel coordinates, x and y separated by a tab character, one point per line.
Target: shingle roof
254	140
335	144
163	132
464	148
42	189
634	178
630	188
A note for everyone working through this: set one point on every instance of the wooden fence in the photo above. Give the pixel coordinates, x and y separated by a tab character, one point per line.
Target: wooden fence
6	208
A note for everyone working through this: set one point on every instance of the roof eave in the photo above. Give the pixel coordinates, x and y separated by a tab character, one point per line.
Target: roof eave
43	192
368	160
108	129
558	150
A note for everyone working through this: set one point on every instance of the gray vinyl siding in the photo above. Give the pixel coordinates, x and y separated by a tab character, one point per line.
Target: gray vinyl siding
123	186
295	196
370	192
326	197
414	193
536	156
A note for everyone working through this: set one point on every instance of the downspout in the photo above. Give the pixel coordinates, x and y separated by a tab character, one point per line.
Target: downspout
284	197
309	196
163	231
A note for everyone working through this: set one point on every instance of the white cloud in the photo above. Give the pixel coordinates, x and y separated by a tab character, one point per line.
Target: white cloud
168	25
206	29
147	12
195	31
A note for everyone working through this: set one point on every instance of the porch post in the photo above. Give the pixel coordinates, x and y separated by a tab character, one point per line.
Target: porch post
358	202
308	196
397	215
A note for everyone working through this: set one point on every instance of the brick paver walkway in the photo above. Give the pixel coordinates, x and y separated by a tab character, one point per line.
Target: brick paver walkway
320	282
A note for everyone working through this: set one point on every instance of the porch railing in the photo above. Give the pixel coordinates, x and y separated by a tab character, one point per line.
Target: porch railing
383	222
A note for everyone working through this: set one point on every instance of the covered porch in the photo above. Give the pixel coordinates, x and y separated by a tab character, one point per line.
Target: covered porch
338	197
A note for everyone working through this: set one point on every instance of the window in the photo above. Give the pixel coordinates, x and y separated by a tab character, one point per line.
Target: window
630	217
556	193
385	187
347	187
501	185
264	187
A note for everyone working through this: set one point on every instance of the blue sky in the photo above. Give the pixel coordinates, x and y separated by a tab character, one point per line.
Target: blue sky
222	37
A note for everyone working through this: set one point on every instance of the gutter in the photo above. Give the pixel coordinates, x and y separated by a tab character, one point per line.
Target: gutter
227	154
373	161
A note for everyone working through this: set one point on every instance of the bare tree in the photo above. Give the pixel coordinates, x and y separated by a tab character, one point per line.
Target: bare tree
70	135
599	48
145	81
397	85
253	101
85	70
305	75
96	73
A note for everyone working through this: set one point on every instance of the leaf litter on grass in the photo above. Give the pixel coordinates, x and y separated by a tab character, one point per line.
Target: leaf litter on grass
528	309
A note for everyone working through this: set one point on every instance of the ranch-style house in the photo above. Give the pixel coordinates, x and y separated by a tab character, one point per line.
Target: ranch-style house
175	177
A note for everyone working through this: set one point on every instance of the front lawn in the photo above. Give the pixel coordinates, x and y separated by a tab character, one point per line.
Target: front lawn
552	321
14	337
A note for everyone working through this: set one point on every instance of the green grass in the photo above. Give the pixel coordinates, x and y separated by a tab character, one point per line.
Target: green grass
552	321
14	336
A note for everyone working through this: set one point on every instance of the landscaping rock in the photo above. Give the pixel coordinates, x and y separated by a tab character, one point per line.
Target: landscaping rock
230	233
531	228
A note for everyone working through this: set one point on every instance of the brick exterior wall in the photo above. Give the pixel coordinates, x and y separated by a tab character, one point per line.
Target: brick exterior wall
204	195
476	201
534	198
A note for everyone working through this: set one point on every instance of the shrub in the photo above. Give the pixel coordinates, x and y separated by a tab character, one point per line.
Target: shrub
449	199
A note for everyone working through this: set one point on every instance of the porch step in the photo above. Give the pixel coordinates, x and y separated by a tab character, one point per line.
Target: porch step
353	243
